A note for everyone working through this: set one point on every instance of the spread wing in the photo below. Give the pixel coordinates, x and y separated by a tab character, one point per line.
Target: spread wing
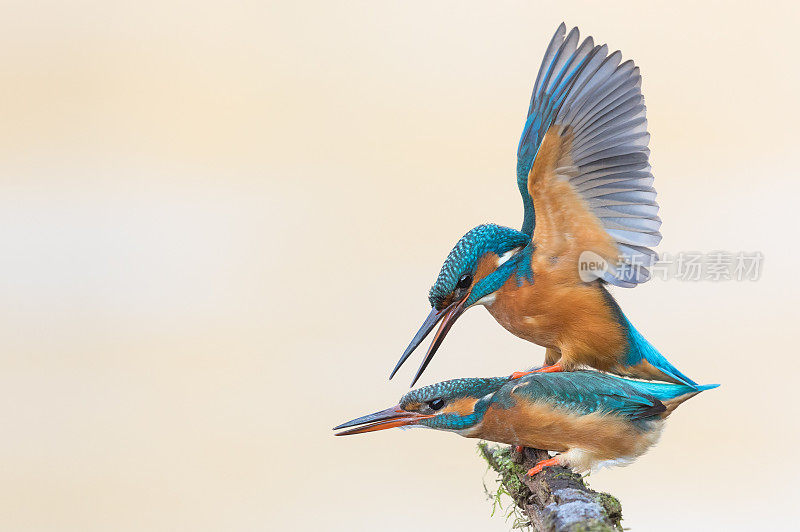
582	165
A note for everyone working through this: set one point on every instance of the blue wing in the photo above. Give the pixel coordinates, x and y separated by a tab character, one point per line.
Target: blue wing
590	391
596	100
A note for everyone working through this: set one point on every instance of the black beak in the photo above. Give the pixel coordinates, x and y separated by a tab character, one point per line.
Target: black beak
447	316
427	326
385	419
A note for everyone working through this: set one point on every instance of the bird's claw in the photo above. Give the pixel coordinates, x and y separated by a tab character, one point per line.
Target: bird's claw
555	368
541	465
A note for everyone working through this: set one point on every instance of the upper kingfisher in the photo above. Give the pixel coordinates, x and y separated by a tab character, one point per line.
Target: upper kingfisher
590	218
592	419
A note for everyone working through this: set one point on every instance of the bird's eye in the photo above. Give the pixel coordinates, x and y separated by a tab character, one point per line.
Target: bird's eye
436	404
464	282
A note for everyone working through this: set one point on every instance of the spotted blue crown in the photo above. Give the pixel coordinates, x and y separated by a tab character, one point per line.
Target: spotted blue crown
464	256
454	388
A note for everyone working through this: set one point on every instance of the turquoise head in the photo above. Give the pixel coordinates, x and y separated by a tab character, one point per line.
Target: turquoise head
477	266
453	405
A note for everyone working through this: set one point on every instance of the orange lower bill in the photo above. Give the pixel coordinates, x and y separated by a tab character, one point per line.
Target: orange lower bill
385	419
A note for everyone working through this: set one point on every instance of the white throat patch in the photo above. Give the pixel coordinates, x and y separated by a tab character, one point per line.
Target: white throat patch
487	299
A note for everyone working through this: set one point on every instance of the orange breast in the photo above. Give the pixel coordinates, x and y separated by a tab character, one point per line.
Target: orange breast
542	426
559	312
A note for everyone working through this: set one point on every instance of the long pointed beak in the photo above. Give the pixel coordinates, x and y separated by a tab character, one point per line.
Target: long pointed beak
452	313
385	419
427	326
447	316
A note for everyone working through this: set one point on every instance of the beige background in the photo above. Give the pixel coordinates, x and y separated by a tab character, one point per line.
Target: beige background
219	224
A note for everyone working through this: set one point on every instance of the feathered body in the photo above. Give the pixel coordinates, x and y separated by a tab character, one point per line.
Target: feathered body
590	418
580	324
586	186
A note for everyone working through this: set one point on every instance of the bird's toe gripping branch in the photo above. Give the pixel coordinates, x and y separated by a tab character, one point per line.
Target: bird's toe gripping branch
554	461
555	368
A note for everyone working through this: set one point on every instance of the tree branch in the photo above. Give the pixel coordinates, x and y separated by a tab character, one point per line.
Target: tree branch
555	500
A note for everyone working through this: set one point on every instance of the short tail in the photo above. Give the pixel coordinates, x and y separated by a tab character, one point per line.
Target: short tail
640	350
674	374
675	402
644	361
641	357
672	395
704	387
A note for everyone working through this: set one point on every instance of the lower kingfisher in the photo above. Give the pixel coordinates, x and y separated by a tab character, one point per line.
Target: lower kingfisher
590	219
590	418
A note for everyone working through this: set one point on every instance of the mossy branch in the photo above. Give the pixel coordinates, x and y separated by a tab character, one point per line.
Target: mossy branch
555	500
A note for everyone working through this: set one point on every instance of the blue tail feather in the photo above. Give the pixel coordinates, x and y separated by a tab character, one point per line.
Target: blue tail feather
664	391
640	349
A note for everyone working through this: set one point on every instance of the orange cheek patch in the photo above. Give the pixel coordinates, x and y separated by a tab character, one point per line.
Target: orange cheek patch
486	265
463	407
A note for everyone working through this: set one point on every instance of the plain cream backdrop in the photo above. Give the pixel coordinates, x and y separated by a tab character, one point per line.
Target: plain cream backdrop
219	222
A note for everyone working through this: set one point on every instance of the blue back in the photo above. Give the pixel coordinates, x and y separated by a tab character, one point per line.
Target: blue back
585	392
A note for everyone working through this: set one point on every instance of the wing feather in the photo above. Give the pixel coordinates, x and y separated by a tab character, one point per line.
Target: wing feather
585	392
587	127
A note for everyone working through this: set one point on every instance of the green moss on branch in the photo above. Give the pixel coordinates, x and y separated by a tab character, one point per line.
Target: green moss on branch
556	500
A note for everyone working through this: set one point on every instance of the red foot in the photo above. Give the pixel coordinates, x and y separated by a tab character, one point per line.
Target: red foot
541	465
555	368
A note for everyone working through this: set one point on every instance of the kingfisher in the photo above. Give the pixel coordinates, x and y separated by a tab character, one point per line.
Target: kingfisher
590	220
590	419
